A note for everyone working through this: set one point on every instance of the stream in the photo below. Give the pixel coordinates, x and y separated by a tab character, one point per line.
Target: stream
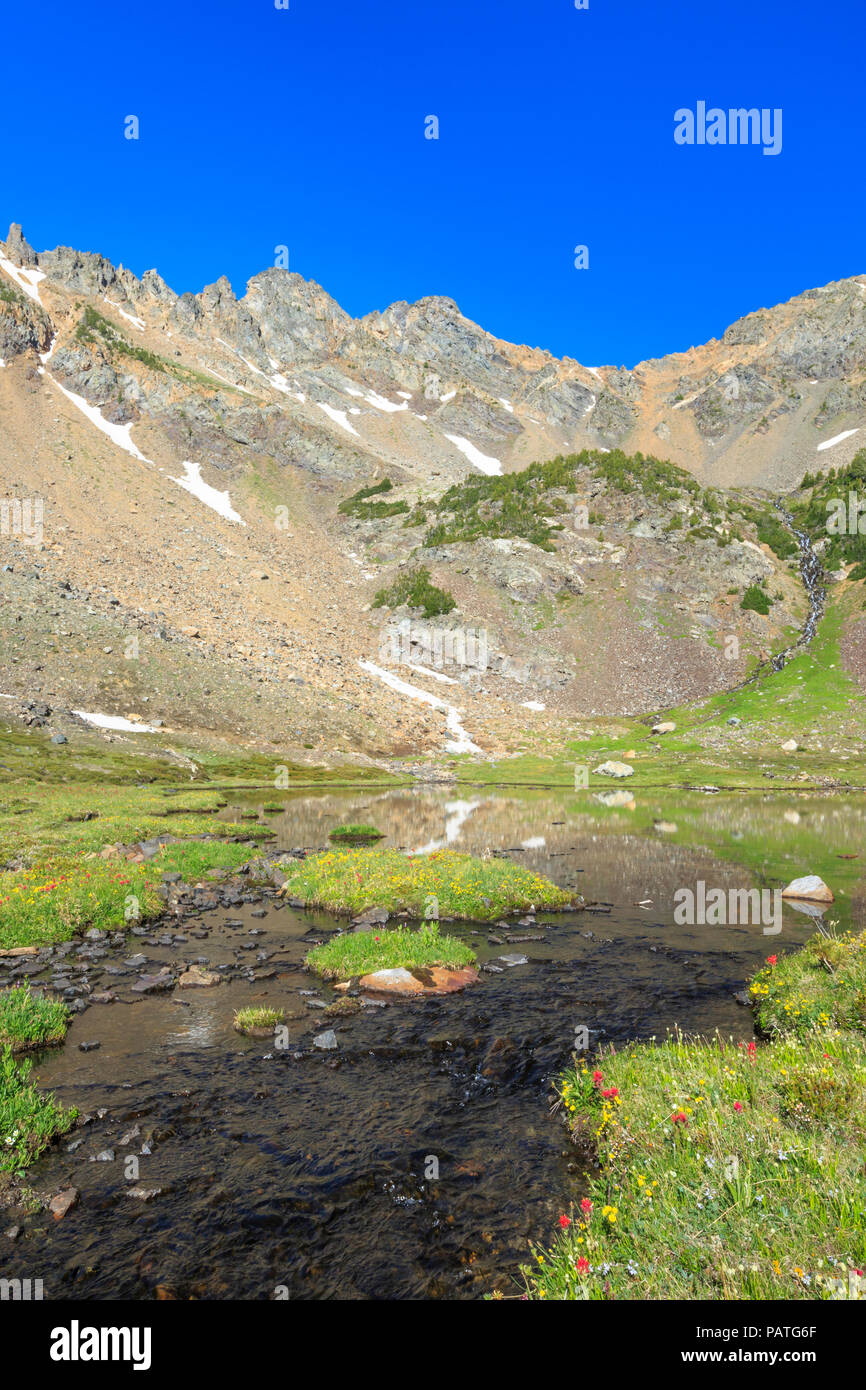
418	1158
814	582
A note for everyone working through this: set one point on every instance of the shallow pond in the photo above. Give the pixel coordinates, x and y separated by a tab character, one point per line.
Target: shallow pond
314	1172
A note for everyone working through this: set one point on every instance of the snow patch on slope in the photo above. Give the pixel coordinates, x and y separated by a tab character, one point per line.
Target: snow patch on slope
373	398
461	742
26	280
139	323
114	721
338	416
118	434
837	439
481	461
211	496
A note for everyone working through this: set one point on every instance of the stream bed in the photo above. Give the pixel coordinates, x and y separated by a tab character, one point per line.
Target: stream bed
418	1158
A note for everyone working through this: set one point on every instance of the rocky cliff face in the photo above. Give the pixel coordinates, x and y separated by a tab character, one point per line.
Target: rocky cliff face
751	408
184	443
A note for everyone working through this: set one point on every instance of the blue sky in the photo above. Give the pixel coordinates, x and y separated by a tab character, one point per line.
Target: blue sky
305	127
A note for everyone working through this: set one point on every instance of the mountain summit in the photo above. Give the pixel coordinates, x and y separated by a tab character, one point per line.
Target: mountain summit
254	487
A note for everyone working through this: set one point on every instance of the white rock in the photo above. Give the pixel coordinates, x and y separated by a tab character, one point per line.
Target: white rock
812	888
614	769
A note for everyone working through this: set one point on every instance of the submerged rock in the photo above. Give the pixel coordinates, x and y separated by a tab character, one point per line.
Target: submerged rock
197	978
434	979
343	1006
63	1202
152	984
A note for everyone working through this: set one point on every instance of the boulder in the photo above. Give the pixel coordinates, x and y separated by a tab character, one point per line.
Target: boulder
63	1202
435	979
152	984
667	726
811	888
197	978
789	746
612	768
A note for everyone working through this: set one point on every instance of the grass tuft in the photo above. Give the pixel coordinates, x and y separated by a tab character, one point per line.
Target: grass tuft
29	1119
255	1019
28	1021
355	833
360	953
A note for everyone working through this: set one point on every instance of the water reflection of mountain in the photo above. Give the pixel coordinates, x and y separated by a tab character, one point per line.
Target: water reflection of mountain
646	848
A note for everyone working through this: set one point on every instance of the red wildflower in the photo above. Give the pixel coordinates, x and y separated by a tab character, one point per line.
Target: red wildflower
564	1221
679	1117
586	1205
737	1105
596	1078
582	1265
772	960
609	1094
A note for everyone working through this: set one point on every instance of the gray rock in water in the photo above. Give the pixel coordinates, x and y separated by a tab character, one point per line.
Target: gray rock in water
152	984
325	1040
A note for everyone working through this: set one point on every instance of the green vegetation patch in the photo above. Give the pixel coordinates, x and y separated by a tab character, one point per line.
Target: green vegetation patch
415	589
771	530
756	599
355	834
454	885
257	1021
29	1120
28	1022
517	505
361	505
822	984
827	514
95	326
361	953
727	1171
56	898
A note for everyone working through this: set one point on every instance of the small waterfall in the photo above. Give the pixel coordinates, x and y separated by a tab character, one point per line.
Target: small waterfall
814	582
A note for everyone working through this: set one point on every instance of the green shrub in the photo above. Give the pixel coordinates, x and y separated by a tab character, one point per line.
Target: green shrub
755	599
415	589
360	505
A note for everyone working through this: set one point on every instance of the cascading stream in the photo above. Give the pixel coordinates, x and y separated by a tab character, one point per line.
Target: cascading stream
814	582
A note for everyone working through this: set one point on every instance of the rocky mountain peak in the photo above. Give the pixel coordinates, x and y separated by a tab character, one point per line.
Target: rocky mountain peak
19	251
